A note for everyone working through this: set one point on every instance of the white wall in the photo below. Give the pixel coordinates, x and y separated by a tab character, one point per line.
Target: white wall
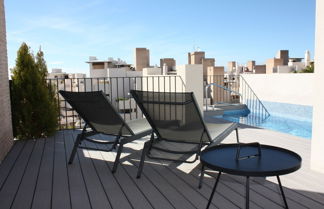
292	88
152	71
168	83
284	69
317	157
98	73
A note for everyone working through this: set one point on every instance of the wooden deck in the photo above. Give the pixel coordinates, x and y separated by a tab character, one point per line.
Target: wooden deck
35	175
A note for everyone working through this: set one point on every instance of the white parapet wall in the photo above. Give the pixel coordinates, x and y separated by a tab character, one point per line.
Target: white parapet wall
192	76
292	88
317	157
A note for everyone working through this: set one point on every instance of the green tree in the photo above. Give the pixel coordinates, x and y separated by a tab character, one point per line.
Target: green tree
309	69
33	102
41	63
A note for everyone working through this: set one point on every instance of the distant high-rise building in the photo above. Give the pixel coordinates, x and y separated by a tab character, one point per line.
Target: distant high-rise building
307	58
231	67
284	55
169	62
250	65
142	58
207	62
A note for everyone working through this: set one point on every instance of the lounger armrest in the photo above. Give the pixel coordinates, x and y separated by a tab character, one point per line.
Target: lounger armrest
128	139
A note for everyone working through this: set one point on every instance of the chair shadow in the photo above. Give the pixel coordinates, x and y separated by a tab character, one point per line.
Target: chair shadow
189	177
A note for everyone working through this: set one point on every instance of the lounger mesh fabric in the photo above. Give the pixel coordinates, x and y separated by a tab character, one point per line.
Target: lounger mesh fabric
174	116
97	112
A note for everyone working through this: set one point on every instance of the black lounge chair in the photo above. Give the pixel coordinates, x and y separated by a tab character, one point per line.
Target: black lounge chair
178	126
101	117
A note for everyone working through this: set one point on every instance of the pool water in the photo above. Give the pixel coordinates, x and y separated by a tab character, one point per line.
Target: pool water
294	126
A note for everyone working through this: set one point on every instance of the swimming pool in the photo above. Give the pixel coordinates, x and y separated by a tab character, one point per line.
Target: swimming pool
294	126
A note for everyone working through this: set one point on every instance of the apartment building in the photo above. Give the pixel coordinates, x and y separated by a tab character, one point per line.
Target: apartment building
107	68
169	63
198	57
141	58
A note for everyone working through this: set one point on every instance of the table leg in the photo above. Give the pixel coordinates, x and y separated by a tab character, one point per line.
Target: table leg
282	192
214	189
247	192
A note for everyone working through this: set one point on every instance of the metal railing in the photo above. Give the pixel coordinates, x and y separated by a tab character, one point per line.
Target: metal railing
252	101
233	89
117	90
222	89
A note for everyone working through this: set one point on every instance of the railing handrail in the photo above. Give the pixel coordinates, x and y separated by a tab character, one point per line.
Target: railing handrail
107	77
223	87
220	86
242	89
246	83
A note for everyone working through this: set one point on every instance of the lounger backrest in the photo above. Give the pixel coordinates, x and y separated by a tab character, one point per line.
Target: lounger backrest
95	109
173	116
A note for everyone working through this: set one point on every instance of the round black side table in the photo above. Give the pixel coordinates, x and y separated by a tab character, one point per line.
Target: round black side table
249	160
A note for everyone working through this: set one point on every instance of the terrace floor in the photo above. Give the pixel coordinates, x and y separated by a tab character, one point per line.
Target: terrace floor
35	175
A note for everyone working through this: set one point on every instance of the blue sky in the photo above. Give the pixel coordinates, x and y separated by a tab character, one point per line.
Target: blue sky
69	31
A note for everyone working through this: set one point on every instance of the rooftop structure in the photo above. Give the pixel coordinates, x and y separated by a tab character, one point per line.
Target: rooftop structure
100	68
231	67
284	55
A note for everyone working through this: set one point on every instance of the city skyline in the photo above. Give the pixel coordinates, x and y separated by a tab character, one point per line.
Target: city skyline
70	32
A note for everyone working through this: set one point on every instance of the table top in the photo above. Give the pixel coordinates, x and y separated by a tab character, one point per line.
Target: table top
272	162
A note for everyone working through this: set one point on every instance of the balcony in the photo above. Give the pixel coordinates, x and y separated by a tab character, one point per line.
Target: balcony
35	174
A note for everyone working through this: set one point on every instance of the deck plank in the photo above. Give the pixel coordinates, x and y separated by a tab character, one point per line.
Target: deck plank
61	189
97	195
129	187
176	198
9	162
78	190
11	186
152	193
189	193
27	187
220	199
43	192
111	187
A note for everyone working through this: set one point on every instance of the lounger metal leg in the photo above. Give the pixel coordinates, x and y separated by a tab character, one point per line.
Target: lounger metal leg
214	189
75	147
282	192
247	192
144	152
237	136
202	172
120	148
115	143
